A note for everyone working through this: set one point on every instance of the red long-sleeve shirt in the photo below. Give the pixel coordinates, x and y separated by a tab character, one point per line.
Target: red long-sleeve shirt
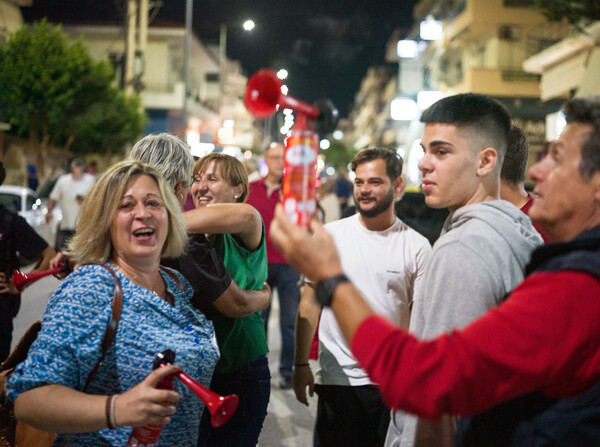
545	337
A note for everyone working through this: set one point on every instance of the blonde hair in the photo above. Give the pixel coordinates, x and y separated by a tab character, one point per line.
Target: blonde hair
91	243
232	170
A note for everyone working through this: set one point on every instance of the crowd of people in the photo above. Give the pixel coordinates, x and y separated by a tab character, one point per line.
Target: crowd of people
488	338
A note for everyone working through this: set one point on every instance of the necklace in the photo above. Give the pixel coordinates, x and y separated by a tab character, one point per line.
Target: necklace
136	280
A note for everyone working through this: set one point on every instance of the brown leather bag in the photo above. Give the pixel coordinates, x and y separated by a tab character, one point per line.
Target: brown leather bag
19	434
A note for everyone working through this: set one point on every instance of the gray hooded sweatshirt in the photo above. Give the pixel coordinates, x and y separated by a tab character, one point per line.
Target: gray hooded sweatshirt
478	260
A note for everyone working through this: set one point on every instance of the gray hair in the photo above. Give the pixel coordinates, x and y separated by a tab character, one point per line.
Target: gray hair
168	154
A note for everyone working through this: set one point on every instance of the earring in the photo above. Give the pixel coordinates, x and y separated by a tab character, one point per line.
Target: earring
181	195
235	197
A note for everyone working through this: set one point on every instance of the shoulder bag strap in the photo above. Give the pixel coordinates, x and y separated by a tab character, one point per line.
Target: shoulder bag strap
174	277
113	324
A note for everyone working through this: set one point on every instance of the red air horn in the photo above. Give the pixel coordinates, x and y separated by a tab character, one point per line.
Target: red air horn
262	98
22	280
221	408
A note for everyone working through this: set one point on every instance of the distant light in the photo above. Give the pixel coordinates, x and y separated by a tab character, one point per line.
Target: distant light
401	152
282	74
324	144
338	134
404	109
284	89
287	111
427	98
412	164
330	171
228	123
224	133
192	137
320	163
248	155
431	29
234	151
408	49
248	25
199	150
555	123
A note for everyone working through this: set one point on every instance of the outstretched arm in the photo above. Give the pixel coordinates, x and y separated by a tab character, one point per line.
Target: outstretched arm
240	219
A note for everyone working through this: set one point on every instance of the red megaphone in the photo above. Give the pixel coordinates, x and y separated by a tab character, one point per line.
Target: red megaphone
221	408
263	95
22	280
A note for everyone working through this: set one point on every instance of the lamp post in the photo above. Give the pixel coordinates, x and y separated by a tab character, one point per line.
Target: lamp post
248	25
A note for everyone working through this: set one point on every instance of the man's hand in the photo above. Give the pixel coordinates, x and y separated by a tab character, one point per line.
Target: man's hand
302	377
313	254
6	285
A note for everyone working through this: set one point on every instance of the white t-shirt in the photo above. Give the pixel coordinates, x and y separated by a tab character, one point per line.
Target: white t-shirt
386	267
65	193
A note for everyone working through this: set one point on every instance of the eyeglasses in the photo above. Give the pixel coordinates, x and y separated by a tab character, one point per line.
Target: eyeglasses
194	179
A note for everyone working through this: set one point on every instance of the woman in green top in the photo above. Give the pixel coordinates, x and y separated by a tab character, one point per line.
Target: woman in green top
236	231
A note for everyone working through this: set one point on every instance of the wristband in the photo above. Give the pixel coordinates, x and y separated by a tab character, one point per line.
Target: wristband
108	409
301	364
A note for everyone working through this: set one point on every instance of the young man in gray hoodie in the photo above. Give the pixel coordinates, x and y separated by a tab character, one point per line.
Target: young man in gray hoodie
485	243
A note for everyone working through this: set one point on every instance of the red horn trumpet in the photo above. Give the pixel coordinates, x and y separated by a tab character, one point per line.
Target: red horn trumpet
262	98
22	280
221	407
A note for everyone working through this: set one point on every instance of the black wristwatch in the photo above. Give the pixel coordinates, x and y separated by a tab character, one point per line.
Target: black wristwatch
325	288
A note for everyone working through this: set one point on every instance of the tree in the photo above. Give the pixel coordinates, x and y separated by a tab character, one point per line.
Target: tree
573	10
51	86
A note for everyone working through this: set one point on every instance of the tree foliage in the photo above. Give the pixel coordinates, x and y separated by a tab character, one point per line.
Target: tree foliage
54	92
573	10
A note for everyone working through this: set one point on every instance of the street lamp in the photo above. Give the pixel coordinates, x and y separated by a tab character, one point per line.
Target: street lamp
248	25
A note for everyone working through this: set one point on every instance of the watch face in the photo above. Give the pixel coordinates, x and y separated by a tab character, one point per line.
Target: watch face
325	288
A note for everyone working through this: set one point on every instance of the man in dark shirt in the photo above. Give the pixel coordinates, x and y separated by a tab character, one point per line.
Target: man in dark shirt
16	236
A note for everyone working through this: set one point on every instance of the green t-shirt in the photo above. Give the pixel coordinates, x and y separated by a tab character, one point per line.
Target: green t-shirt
241	340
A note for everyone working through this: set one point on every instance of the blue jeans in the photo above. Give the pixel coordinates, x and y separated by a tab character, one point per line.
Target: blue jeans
285	279
252	384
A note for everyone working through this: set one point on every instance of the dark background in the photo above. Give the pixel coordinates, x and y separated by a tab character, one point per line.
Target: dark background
326	45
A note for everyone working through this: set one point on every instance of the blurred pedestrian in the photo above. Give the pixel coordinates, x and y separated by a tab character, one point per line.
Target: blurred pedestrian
263	195
512	175
69	192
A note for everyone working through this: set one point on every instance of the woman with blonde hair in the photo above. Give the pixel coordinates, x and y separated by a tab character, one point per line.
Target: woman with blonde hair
128	221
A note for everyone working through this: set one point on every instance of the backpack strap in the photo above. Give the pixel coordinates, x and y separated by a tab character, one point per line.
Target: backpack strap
113	324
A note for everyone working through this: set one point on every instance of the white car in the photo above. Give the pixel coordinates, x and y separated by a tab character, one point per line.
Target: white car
28	204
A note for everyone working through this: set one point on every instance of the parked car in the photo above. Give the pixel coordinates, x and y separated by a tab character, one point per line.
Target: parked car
28	204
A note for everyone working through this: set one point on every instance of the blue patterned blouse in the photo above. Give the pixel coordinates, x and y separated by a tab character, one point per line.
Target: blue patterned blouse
68	347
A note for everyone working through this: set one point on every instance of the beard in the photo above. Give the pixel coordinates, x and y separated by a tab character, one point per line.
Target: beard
379	207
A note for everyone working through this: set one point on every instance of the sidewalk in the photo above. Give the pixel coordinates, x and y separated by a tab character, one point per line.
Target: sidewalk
288	422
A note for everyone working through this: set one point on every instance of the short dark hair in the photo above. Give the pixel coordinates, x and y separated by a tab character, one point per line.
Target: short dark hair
475	112
586	111
393	162
514	166
2	173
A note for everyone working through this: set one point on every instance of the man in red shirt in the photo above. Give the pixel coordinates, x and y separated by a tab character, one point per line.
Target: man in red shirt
264	195
528	371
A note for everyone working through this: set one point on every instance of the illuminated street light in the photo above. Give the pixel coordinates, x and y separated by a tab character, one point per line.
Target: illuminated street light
338	134
248	25
431	29
324	144
404	109
408	49
282	74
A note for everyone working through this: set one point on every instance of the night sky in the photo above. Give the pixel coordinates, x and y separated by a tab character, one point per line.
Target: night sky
326	45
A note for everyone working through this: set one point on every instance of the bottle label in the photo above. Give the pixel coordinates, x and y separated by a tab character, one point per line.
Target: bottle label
299	193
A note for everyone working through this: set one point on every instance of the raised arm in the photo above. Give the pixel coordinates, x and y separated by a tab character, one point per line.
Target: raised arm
240	219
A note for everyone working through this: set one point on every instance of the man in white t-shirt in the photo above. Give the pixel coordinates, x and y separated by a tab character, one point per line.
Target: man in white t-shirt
68	192
385	259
